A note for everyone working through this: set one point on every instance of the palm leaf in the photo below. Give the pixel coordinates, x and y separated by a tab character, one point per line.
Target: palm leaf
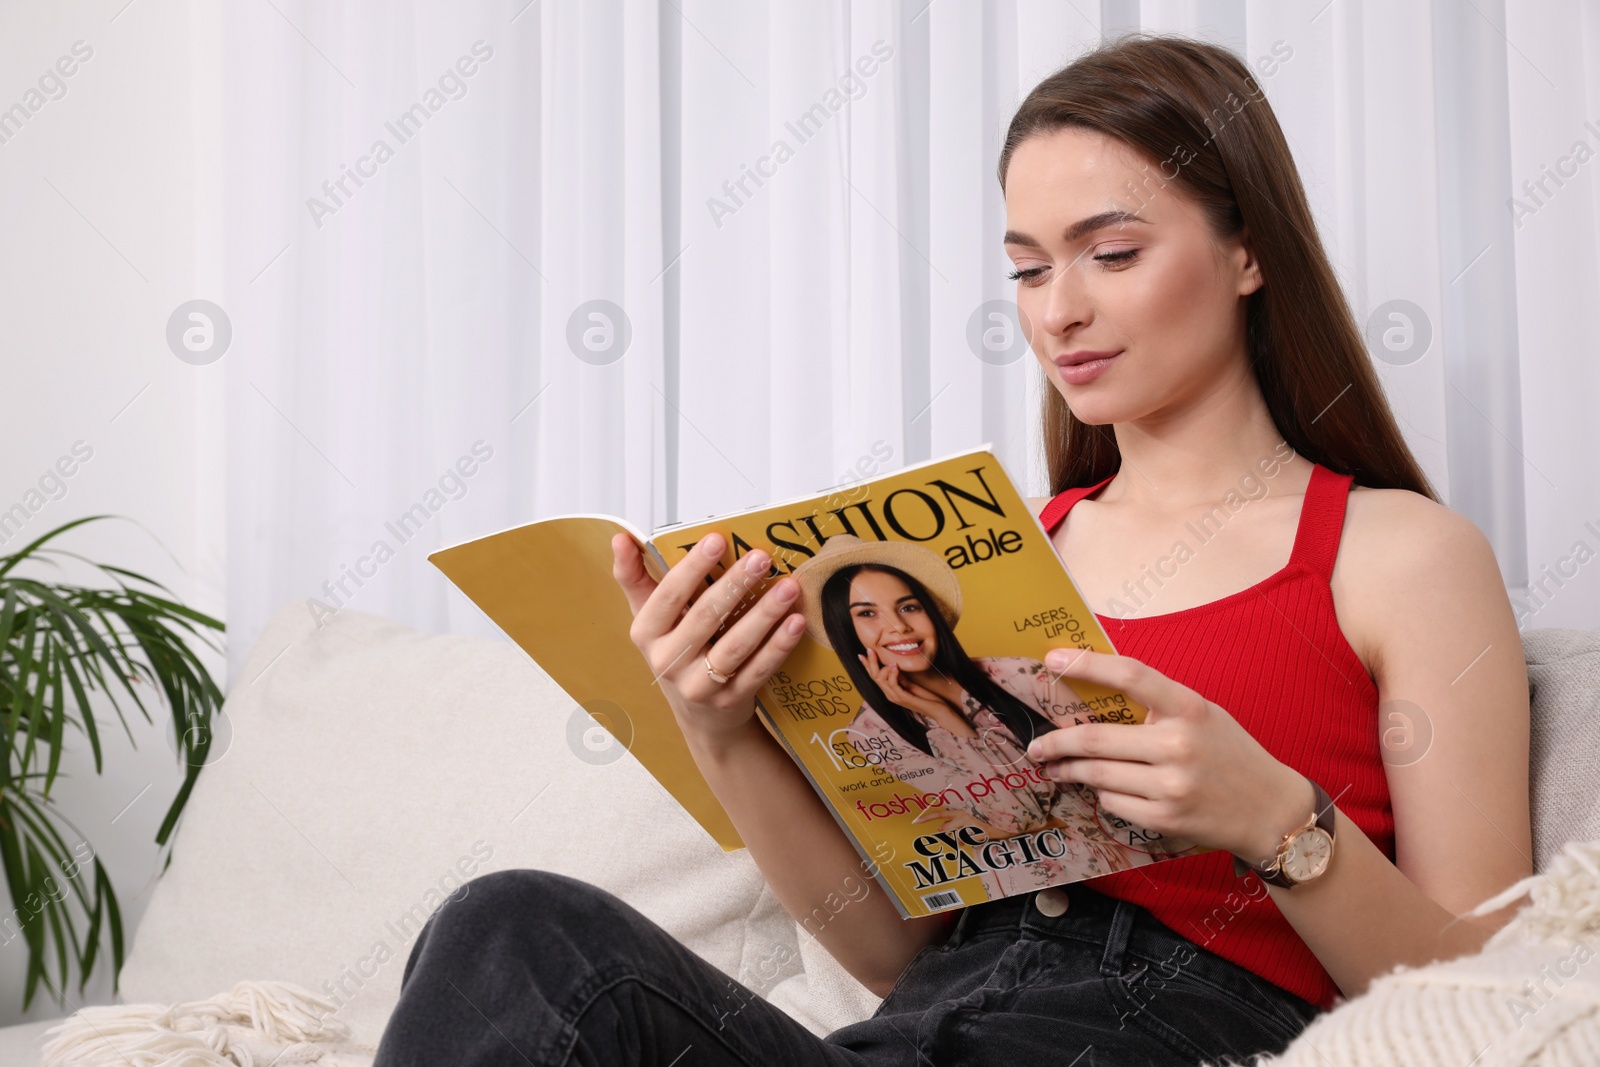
59	644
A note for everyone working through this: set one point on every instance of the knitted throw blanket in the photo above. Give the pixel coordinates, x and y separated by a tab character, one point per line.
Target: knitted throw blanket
254	1025
1530	997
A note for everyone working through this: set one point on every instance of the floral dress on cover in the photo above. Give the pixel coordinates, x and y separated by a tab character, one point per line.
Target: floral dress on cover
1015	808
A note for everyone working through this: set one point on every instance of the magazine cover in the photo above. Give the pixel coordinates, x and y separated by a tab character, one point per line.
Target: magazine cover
931	596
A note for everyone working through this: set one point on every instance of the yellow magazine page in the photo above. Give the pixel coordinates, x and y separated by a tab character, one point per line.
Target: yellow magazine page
931	596
548	585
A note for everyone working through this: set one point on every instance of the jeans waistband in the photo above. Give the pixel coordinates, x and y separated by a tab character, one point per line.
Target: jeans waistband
1132	940
1090	916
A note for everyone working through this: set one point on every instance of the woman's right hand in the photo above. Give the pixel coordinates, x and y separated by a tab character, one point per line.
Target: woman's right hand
908	694
673	628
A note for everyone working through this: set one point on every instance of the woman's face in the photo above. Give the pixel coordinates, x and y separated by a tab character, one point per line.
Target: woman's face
889	618
1112	258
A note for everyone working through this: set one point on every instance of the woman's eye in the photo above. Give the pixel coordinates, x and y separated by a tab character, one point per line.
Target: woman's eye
1107	260
1113	259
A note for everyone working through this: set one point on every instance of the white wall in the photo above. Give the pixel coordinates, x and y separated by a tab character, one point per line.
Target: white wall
100	208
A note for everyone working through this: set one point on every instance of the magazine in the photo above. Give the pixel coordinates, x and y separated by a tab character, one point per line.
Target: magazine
931	596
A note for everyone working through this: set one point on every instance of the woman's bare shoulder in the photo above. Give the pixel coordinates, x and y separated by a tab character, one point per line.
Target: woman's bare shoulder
1405	559
1390	529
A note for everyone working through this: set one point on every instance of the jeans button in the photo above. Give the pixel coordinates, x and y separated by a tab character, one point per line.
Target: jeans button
1051	902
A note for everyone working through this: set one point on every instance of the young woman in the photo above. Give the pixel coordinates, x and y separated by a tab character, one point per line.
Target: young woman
889	610
1193	334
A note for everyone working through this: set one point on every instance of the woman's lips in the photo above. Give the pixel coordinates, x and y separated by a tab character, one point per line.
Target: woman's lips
917	647
1087	371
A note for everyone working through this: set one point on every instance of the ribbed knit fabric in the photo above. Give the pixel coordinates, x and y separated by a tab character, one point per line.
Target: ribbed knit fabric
1272	655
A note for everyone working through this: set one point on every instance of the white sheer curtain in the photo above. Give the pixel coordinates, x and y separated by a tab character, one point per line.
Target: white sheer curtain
791	213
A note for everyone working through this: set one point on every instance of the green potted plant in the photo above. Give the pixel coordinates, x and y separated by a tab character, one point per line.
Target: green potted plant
58	644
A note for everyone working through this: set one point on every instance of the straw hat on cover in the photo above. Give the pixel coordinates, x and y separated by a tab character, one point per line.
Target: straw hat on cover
843	550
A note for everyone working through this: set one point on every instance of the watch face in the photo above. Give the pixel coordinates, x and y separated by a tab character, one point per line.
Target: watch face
1308	854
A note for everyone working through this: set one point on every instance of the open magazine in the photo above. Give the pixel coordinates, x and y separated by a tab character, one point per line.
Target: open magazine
931	596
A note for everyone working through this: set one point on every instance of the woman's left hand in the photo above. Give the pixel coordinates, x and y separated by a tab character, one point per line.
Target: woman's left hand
1189	770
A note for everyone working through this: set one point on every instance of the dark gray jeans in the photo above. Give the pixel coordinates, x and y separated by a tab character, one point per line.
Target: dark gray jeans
533	969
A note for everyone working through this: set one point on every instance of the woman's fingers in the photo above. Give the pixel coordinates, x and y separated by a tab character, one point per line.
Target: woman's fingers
875	669
1138	810
714	605
770	654
668	608
1095	740
737	649
671	636
1118	776
627	567
1144	683
662	609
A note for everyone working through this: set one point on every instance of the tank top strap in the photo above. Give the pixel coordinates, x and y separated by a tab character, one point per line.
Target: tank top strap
1316	540
1057	508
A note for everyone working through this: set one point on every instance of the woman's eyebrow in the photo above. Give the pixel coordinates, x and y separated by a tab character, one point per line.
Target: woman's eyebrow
873	604
1078	230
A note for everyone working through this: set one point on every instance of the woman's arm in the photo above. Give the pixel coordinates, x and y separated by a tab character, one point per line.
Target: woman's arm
807	859
1419	594
1425	597
812	867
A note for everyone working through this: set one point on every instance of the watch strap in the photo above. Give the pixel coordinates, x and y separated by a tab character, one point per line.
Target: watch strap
1323	818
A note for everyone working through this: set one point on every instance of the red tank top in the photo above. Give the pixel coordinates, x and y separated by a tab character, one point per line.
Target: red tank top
1272	655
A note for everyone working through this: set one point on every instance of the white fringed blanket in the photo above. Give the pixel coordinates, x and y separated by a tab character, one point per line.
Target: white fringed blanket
254	1025
1531	998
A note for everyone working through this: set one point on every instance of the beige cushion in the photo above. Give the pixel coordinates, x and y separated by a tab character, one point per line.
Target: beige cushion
1564	746
372	769
20	1044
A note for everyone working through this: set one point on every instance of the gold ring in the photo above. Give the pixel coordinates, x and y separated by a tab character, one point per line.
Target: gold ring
716	675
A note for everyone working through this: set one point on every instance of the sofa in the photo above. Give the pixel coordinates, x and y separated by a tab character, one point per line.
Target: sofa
372	770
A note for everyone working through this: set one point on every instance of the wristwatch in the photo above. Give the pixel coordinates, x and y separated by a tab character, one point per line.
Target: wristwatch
1303	854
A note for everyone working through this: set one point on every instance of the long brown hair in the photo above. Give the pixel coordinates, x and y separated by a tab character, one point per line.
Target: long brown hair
949	659
1195	107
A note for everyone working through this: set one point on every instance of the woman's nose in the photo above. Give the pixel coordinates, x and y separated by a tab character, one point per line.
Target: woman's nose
1065	304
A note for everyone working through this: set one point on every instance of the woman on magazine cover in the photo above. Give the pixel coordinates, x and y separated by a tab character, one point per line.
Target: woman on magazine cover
1192	334
889	609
